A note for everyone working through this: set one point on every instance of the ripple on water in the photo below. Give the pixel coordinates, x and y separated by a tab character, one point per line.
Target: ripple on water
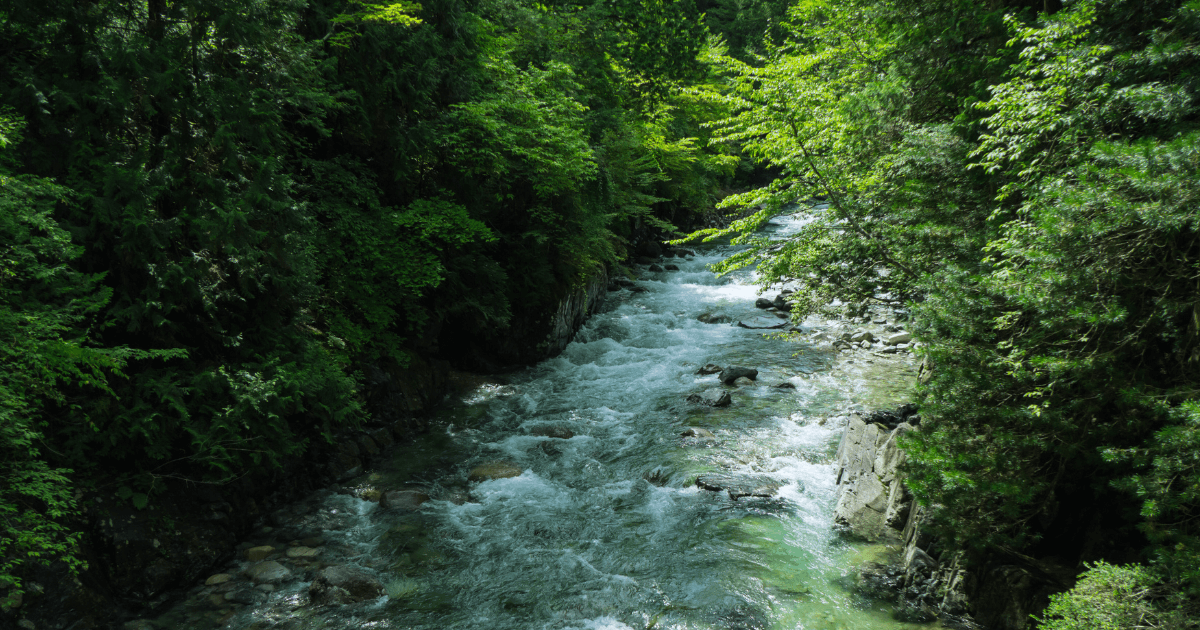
607	530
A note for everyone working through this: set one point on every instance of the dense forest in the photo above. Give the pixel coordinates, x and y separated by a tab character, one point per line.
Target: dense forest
216	216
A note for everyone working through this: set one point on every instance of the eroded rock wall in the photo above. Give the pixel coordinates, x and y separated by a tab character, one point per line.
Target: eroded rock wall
872	500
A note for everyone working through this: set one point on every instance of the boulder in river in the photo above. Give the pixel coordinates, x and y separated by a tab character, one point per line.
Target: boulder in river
713	318
671	267
781	303
784	385
494	470
898	338
267	572
711	398
762	323
403	499
763	303
742	381
698	432
654	268
862	335
709	368
739	485
552	431
733	372
342	584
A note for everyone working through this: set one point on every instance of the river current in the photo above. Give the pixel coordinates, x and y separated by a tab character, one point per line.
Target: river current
606	529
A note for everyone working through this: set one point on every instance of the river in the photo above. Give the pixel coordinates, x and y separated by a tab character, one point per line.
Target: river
606	529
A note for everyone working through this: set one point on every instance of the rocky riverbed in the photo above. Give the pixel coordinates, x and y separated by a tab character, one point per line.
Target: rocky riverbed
590	492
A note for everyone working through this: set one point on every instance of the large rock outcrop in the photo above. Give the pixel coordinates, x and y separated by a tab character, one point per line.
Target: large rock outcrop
929	580
872	501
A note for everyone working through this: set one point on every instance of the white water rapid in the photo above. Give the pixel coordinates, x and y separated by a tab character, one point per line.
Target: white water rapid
607	530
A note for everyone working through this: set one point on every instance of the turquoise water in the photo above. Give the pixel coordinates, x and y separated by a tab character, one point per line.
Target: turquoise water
607	530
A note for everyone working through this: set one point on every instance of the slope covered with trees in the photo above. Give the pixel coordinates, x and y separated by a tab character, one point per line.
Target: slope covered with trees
1023	177
217	215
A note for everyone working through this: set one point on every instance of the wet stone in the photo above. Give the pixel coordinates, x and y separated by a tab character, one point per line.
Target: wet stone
561	433
268	571
742	381
739	485
303	552
494	470
763	323
709	368
219	578
344	584
711	398
698	432
404	499
732	373
254	554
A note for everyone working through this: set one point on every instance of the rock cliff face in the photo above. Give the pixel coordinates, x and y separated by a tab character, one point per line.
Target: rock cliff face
529	337
930	581
872	500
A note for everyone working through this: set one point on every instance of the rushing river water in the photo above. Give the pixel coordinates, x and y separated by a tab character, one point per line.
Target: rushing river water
607	529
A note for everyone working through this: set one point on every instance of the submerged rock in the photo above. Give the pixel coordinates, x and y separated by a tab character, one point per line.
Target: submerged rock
494	470
267	572
739	485
671	267
561	433
709	368
710	318
733	372
254	554
654	268
711	398
342	584
742	381
763	323
697	432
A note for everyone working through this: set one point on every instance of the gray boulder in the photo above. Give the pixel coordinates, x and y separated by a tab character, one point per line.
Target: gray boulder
711	398
763	323
709	368
712	318
342	584
872	502
267	572
898	338
407	500
742	381
733	372
739	486
862	335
